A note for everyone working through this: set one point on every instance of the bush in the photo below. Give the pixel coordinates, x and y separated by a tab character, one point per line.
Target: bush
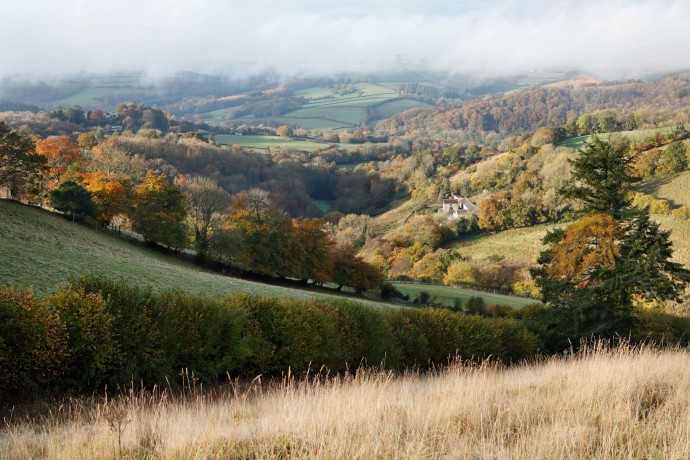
33	345
89	326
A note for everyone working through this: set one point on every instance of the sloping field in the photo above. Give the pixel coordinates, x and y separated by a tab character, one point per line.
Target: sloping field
674	187
266	142
325	110
41	250
447	295
635	136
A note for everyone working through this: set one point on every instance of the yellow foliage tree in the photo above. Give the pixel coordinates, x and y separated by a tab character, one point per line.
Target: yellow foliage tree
591	242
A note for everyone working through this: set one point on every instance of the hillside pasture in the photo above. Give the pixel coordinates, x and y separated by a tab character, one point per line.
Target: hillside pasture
638	135
326	110
42	251
520	245
447	295
391	108
674	187
263	143
266	142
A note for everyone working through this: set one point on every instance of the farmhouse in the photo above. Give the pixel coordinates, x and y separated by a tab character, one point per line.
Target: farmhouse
457	205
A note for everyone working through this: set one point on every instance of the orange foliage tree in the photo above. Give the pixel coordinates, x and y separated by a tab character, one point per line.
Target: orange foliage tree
60	152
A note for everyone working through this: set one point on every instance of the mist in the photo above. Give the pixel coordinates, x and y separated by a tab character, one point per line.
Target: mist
610	38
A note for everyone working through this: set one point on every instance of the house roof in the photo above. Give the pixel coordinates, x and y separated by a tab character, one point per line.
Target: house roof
450	201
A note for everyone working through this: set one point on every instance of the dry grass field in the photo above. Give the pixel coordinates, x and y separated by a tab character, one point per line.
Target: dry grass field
599	404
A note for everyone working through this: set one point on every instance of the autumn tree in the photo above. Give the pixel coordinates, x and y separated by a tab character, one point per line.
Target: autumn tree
159	212
19	162
351	270
59	152
206	204
311	251
111	195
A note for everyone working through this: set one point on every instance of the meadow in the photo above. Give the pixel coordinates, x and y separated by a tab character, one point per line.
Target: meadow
673	187
446	295
598	404
637	135
263	143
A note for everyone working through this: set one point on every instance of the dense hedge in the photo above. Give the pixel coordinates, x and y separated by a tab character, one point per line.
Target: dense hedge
99	332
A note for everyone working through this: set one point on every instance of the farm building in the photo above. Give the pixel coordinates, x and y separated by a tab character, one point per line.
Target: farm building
457	205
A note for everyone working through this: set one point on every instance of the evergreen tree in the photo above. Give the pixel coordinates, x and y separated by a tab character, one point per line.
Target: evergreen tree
593	272
602	175
73	199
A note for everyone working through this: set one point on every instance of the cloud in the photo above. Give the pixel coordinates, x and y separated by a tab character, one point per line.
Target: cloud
611	38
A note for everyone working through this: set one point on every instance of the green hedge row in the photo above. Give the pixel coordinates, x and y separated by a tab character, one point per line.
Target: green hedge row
99	332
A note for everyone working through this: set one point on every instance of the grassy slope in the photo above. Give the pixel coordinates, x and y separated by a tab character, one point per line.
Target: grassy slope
673	188
628	404
40	250
635	136
446	295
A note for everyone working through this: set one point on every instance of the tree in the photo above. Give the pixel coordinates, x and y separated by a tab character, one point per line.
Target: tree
60	152
159	212
311	251
602	176
206	204
674	159
284	131
351	270
111	195
594	272
73	199
19	162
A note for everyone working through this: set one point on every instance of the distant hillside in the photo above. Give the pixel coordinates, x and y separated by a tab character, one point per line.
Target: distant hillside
529	109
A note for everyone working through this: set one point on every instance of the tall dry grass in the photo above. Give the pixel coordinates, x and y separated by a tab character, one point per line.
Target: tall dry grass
622	403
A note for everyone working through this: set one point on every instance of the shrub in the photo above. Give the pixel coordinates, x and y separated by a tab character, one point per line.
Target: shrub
302	333
90	337
33	344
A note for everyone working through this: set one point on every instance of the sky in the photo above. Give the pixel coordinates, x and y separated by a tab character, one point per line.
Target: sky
609	38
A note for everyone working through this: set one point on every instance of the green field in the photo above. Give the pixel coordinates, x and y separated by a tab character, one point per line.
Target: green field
675	188
391	108
447	294
266	142
521	245
221	115
41	250
638	135
325	110
99	86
